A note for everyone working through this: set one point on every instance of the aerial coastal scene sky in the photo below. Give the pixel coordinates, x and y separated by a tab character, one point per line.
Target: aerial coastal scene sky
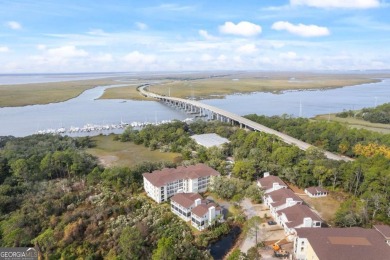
100	36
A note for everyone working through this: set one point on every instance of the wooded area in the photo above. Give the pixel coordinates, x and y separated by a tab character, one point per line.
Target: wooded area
56	196
379	114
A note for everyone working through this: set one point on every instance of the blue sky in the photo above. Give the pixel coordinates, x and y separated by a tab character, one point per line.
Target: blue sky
118	35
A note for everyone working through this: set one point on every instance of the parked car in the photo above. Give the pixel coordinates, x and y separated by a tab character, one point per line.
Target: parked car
271	222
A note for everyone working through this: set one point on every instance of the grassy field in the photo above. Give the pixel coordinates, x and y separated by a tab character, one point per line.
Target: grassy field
356	123
196	85
44	93
127	92
115	153
246	83
325	206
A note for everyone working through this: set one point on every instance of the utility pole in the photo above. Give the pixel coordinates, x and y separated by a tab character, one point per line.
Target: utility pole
300	108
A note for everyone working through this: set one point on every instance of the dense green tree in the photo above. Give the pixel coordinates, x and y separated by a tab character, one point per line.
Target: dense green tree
131	243
245	170
254	193
165	250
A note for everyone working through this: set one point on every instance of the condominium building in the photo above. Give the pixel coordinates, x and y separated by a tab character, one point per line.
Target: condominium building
163	184
341	244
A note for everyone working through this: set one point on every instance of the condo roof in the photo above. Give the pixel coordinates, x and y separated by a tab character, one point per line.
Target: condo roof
279	196
167	175
268	182
186	199
346	243
202	209
296	214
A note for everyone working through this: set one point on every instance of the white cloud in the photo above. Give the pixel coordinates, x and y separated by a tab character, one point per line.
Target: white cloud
141	26
64	58
41	47
301	29
247	49
103	58
221	58
136	57
206	35
97	32
288	55
243	28
206	58
13	25
67	52
4	49
358	4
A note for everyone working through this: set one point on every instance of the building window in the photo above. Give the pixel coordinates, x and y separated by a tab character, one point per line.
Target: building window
302	248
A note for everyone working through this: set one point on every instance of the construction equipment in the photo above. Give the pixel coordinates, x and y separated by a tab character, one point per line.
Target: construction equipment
278	251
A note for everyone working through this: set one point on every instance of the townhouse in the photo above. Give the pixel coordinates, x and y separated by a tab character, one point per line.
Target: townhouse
297	216
192	207
183	203
271	183
281	199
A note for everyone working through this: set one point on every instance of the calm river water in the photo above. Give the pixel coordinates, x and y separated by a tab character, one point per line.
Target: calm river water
85	109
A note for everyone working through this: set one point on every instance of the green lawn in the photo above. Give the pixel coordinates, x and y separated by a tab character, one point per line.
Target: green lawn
356	123
115	153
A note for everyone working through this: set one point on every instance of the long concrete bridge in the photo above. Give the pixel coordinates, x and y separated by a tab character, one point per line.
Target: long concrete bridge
213	113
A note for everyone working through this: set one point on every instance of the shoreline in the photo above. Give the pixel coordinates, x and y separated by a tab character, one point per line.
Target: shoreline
199	88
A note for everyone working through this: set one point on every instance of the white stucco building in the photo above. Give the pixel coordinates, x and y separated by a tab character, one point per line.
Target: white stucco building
163	184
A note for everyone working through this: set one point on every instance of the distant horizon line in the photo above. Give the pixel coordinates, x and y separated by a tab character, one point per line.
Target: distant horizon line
188	71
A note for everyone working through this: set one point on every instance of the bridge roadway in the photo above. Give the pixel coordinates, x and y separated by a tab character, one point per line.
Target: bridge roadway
223	115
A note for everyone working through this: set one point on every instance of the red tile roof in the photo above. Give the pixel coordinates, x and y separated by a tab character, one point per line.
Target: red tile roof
315	190
186	199
297	213
267	182
167	175
346	243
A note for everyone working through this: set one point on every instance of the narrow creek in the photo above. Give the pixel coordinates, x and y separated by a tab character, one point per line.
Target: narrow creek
221	247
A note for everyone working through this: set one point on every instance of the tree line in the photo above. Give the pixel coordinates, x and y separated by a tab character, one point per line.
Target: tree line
365	178
379	114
